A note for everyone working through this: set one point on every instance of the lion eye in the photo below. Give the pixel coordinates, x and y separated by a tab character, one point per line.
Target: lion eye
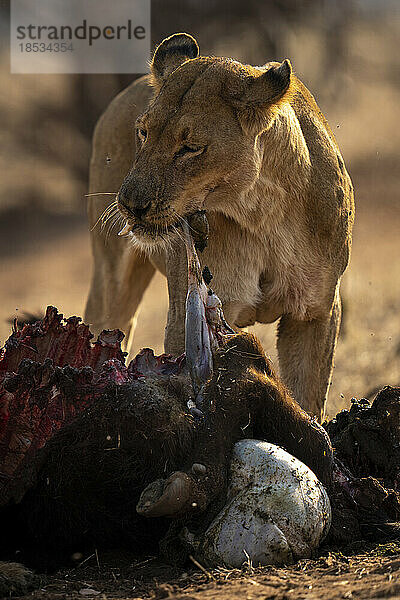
195	150
142	134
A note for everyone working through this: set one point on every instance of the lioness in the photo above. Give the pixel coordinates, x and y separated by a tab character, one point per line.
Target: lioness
251	147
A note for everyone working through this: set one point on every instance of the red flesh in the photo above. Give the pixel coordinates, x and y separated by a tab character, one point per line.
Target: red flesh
50	371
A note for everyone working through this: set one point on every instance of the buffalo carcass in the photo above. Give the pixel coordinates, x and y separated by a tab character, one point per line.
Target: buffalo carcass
90	447
83	435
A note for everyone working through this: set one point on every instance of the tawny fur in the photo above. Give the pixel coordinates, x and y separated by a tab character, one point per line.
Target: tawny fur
277	194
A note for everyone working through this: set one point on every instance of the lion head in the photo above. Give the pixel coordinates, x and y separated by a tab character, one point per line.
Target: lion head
198	141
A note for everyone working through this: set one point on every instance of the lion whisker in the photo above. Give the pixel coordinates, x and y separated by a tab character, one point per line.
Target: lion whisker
104	214
101	194
109	218
179	234
113	221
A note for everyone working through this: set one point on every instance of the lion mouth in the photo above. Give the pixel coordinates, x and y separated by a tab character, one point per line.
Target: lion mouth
145	230
152	231
150	235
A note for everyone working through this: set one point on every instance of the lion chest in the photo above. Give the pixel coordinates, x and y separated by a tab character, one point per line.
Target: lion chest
260	277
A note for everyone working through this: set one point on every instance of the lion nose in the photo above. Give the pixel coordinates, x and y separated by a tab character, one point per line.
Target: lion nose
140	210
135	204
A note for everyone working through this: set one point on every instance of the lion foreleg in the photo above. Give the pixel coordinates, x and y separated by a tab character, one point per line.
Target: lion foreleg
306	350
118	283
177	277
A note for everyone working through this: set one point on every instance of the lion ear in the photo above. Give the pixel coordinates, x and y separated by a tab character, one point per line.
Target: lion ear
171	53
269	87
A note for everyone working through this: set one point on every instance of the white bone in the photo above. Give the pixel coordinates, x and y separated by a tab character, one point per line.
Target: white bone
277	510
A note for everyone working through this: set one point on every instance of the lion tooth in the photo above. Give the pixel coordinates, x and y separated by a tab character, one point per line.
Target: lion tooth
126	229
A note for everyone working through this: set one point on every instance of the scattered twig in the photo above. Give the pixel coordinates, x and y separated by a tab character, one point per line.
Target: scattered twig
199	566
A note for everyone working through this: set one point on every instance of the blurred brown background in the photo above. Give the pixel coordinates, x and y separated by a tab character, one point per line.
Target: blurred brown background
345	51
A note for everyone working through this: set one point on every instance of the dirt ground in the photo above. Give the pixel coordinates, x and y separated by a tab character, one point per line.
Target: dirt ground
365	574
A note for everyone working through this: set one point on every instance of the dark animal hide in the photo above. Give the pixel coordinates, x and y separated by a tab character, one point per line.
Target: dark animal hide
365	496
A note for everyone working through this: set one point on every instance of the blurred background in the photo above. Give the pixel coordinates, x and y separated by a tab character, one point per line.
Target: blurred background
345	51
